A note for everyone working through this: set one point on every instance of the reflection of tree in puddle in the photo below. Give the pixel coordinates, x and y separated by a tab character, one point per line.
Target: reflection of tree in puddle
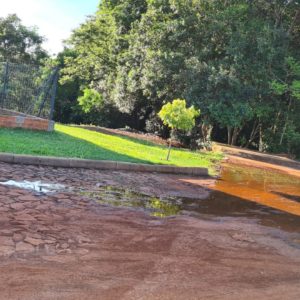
128	198
242	192
163	208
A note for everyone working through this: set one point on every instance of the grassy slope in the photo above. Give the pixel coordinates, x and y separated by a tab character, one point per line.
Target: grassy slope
68	141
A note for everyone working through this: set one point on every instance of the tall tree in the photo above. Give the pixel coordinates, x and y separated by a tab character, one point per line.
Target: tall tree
221	56
19	43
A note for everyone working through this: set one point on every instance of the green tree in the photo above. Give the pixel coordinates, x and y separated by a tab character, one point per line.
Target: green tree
178	117
218	55
71	88
289	91
90	99
67	108
19	43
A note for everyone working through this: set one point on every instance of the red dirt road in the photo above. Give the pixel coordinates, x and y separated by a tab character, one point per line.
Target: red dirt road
245	157
66	246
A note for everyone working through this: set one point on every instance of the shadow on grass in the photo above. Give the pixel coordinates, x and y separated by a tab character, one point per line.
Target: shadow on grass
148	143
126	138
59	144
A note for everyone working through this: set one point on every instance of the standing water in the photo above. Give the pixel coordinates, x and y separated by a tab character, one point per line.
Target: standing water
270	198
266	197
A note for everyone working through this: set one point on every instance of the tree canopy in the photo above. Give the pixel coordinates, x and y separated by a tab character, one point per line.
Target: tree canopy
176	115
235	60
19	43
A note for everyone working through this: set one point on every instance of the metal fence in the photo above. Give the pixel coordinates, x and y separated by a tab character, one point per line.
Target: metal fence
27	89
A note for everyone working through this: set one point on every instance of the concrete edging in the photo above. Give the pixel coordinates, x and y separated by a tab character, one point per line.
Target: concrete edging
98	164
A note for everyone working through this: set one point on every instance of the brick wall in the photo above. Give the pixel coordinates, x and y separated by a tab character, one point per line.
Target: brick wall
9	112
26	122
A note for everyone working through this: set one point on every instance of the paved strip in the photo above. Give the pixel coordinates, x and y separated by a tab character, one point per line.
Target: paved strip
98	164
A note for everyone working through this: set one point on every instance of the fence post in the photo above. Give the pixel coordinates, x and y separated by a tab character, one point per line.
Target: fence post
5	81
53	94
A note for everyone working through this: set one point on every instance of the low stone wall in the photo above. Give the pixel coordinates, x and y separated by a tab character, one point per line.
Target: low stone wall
27	122
99	164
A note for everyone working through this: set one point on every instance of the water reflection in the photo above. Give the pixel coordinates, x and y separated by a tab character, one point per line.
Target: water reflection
268	188
266	197
269	197
128	198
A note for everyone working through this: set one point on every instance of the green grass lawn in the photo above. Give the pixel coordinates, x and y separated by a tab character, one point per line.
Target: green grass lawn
67	141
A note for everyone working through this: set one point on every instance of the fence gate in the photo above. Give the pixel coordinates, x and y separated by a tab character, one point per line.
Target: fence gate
27	96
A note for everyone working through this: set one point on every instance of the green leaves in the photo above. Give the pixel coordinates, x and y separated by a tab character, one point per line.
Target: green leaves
238	61
296	89
279	88
177	116
291	86
90	99
19	43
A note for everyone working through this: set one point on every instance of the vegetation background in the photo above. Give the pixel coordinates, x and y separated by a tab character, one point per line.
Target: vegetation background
237	61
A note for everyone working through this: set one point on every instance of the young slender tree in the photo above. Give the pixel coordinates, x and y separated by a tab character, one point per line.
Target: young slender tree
177	116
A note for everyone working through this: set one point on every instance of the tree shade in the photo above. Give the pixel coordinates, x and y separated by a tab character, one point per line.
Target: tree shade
223	57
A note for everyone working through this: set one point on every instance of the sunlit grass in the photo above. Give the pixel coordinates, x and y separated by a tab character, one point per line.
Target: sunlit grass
67	141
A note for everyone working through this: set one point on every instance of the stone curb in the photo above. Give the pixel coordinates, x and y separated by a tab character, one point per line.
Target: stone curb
98	164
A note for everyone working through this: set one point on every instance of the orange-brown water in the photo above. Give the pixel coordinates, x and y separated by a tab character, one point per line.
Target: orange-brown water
271	198
257	195
265	187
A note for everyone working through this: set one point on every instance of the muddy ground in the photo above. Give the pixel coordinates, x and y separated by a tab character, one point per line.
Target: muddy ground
67	246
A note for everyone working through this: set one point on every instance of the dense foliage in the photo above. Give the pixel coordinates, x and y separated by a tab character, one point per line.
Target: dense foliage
19	43
236	60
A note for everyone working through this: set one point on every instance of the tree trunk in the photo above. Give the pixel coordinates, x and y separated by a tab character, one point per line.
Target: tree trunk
232	135
260	145
235	135
229	135
206	130
169	148
275	126
253	133
286	121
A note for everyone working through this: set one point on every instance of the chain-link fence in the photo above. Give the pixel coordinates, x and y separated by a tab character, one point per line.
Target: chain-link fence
27	89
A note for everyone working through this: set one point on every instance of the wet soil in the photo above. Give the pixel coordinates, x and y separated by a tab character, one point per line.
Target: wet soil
241	156
118	235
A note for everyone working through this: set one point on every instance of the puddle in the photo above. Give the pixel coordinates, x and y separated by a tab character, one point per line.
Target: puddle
127	198
36	186
260	196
